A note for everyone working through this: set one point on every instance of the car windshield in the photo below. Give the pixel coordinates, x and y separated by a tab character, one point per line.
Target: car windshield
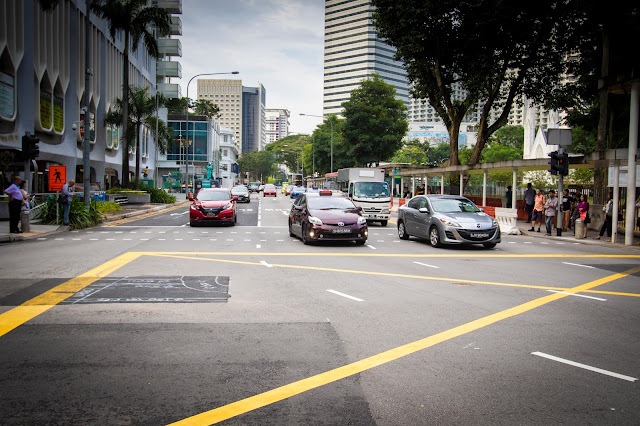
329	203
454	206
371	189
269	187
213	196
239	190
299	188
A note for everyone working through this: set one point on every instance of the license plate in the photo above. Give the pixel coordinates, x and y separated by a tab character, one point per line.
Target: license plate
341	231
479	235
211	213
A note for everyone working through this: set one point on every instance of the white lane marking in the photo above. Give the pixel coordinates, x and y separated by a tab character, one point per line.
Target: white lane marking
586	367
577	264
89	232
396	241
234	232
576	243
42	239
177	239
257	245
213	239
263	241
559	243
544	243
93	239
76	239
511	242
162	232
528	242
578	295
379	241
371	247
104	232
75	231
205	232
346	295
126	239
246	240
425	264
266	264
144	239
162	239
196	239
111	239
279	240
229	239
119	232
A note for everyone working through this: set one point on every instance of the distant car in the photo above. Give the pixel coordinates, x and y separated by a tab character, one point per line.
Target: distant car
283	189
260	188
323	217
297	190
213	205
242	192
447	219
288	190
269	190
253	186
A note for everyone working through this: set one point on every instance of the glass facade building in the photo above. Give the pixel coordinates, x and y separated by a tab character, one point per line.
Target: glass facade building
191	145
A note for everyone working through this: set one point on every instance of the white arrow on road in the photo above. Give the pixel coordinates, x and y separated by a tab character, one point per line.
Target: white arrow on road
179	214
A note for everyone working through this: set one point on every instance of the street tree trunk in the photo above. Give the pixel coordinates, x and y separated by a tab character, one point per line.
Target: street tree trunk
125	112
599	171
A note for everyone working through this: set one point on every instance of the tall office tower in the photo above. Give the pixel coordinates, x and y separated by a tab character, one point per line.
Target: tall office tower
253	118
277	124
353	51
227	94
169	47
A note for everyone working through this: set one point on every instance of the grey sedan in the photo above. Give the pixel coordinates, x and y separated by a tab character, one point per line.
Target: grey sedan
447	219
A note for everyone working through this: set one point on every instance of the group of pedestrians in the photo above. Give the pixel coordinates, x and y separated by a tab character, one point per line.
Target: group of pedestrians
571	209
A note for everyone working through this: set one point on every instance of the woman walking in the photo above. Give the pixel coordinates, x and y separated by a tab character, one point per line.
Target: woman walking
538	208
583	210
608	219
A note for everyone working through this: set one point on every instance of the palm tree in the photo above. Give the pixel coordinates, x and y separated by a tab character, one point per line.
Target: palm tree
135	19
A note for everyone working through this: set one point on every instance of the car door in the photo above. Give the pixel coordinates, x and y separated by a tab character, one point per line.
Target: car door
297	212
410	216
422	218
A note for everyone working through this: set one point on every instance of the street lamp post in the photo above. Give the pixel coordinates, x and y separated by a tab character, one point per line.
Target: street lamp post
331	124
187	124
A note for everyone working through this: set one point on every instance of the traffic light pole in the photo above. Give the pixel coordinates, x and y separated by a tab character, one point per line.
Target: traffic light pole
559	212
86	177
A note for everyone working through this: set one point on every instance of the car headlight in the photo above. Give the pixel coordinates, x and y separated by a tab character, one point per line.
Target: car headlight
193	207
228	206
361	220
314	220
494	223
449	222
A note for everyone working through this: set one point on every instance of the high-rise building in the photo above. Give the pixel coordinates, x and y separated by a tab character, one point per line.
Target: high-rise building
277	124
169	47
254	124
353	51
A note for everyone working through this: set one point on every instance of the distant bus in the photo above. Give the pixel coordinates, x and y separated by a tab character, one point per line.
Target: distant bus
295	179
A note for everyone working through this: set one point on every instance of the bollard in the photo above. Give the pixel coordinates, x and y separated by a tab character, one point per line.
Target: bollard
24	221
579	228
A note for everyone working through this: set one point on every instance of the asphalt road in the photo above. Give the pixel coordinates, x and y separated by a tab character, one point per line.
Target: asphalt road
152	322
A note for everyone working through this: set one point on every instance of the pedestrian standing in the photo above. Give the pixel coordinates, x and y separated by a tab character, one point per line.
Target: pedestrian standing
509	195
67	191
529	200
608	218
583	211
550	207
538	208
566	207
15	204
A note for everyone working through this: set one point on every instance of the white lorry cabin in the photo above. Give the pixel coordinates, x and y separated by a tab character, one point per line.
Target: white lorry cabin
367	189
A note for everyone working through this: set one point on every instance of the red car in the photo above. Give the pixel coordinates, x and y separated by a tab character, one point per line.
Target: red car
269	190
213	205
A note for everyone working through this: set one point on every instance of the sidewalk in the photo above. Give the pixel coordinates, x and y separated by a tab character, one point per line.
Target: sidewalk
524	227
40	230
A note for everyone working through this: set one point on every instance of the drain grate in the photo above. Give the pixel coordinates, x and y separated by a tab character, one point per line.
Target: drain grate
180	289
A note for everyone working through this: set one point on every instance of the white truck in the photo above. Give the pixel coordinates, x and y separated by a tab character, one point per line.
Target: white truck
367	188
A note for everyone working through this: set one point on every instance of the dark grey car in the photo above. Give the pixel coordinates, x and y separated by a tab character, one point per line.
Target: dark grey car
447	219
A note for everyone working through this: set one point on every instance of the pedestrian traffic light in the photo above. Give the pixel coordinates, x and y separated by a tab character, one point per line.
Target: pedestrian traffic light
563	164
30	148
554	162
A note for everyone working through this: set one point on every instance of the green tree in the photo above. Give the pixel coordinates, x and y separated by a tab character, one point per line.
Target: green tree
288	150
259	164
207	108
411	154
375	122
437	154
135	18
481	47
321	139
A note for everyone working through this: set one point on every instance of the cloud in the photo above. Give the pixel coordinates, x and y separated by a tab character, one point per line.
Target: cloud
278	43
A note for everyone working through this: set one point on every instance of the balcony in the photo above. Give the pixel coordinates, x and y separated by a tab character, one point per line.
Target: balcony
176	26
170	47
169	69
170	90
172	6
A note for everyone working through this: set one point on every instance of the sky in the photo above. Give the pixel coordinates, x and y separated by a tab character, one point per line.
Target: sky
278	43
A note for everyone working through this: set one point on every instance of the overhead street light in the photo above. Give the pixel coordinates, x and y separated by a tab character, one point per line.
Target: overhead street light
193	158
331	123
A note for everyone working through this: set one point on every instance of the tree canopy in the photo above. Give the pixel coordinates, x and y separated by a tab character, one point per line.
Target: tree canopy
259	164
375	122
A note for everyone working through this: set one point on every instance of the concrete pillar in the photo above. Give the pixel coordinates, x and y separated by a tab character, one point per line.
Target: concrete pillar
631	162
513	188
401	192
484	188
616	197
461	182
442	185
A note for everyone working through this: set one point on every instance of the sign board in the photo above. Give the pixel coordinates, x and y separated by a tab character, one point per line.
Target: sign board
561	137
206	183
57	177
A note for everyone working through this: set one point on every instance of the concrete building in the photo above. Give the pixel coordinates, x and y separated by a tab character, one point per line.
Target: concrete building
42	91
435	133
229	158
353	51
227	94
277	121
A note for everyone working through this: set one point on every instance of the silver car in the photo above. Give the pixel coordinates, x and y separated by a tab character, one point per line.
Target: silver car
242	192
447	219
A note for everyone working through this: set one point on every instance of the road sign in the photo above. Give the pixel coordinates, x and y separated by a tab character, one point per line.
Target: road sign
57	177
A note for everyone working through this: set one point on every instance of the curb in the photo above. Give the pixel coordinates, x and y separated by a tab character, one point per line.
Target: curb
572	239
144	211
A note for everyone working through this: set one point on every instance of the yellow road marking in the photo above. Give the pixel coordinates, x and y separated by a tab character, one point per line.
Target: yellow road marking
351	271
47	300
393	221
145	216
304	385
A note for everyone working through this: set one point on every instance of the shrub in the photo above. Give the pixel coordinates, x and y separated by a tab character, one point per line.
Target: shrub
108	206
158	195
79	215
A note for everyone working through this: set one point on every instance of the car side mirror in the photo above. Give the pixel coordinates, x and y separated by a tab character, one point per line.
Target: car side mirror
235	198
423	210
190	196
359	208
481	209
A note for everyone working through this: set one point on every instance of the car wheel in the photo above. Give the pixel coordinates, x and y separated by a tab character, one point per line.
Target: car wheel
383	222
248	200
192	224
434	237
305	237
489	245
360	242
402	231
291	234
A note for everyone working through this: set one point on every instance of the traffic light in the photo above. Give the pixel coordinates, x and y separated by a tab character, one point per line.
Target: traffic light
554	162
563	164
30	148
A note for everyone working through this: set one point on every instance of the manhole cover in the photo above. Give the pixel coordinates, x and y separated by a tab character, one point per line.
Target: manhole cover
154	290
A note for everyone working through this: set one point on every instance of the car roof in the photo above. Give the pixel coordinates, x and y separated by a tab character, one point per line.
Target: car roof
214	189
444	197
